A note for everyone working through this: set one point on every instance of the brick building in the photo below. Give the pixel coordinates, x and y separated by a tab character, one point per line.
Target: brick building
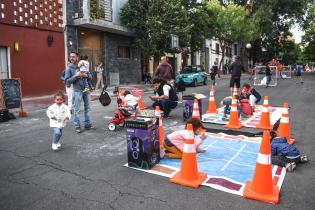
32	44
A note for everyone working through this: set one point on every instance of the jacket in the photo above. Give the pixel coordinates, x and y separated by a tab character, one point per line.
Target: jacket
237	69
78	83
245	107
280	147
164	71
60	113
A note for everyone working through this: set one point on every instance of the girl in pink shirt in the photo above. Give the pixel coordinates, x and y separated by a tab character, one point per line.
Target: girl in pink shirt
174	142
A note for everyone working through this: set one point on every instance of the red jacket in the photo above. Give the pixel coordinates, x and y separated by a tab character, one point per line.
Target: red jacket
245	107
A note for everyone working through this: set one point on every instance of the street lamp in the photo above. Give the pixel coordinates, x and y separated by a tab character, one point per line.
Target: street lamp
248	47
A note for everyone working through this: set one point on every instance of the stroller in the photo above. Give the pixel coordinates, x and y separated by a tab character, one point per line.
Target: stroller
121	113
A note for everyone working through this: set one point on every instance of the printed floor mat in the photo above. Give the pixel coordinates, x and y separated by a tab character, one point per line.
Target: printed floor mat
251	122
229	162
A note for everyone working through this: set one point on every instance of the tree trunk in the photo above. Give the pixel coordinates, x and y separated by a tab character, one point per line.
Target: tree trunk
222	58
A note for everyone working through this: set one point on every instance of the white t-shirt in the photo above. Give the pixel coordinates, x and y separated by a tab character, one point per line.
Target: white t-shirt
166	90
130	100
84	65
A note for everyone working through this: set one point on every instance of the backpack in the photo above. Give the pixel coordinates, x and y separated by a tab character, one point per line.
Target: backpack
173	96
104	97
181	86
63	75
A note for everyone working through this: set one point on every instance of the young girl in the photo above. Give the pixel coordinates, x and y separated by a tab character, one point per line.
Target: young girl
174	142
84	66
58	114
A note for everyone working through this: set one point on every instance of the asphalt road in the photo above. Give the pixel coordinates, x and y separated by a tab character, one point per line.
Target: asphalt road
88	172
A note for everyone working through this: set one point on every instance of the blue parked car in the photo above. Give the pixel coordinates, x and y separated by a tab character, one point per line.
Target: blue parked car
192	75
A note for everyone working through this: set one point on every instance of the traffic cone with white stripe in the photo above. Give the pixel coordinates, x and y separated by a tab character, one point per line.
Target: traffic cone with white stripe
235	91
196	113
161	128
233	121
188	174
284	126
265	116
212	109
261	187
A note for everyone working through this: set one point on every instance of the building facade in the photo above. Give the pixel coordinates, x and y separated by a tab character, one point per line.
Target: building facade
32	44
93	28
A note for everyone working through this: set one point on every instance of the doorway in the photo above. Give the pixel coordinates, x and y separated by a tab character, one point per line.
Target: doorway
4	63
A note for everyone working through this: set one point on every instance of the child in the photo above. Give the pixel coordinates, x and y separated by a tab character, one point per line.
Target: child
284	154
58	113
268	75
84	66
251	94
174	142
130	100
226	102
246	108
213	72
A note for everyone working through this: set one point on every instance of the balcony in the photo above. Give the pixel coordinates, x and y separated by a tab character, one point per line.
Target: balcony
98	14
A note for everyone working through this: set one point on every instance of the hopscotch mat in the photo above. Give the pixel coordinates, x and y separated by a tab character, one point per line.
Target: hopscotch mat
251	122
229	162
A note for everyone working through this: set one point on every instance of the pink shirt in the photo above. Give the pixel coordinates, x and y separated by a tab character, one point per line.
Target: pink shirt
178	139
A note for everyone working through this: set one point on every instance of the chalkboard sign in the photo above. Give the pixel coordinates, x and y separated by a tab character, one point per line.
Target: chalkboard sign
11	93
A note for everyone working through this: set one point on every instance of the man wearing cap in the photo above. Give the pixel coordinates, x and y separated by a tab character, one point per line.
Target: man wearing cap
236	68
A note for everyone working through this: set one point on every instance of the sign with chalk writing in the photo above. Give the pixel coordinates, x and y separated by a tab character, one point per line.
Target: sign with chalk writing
11	93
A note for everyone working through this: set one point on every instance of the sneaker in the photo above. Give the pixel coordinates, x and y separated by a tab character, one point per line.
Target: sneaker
78	130
290	166
224	118
89	127
58	145
303	159
54	147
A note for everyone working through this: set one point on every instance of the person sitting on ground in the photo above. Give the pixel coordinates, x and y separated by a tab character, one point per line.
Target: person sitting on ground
227	102
174	142
130	100
246	108
284	154
165	97
251	94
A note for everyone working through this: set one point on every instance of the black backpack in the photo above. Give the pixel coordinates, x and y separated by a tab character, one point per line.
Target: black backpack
104	97
173	96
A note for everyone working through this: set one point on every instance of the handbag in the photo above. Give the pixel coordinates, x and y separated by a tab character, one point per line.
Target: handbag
104	98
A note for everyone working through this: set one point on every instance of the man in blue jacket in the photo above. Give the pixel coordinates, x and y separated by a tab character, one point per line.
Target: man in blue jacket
284	154
75	77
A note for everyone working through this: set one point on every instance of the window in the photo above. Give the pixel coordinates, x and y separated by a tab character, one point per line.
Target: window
235	49
4	65
124	52
217	48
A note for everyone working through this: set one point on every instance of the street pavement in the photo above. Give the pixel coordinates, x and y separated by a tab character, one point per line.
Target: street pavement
88	172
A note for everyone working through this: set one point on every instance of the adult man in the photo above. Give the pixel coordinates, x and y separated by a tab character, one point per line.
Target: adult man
213	72
164	70
165	96
236	71
76	78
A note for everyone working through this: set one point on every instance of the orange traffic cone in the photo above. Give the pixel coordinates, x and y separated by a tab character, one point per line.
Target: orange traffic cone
188	174
161	128
212	109
235	91
284	127
265	116
140	104
196	113
261	187
234	122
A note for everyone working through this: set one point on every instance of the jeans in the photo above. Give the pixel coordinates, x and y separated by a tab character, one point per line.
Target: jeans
77	97
56	135
165	105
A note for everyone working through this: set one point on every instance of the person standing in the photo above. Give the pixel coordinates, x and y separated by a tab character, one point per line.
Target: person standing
58	115
299	73
100	79
280	70
268	75
164	70
77	78
213	72
236	70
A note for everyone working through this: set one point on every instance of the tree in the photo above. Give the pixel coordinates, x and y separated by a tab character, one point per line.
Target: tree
232	24
309	37
153	22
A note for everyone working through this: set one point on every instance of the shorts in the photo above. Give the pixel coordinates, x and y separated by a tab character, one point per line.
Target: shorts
236	81
298	74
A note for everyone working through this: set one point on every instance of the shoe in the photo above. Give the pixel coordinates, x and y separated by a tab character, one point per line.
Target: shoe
71	111
303	159
54	147
58	145
78	130
290	166
224	118
89	127
86	90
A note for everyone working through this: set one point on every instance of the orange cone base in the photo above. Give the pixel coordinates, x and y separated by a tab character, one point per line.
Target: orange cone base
233	126
22	114
177	179
272	198
264	127
143	108
291	141
210	112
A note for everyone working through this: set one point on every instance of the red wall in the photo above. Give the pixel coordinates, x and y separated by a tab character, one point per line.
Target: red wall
38	65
